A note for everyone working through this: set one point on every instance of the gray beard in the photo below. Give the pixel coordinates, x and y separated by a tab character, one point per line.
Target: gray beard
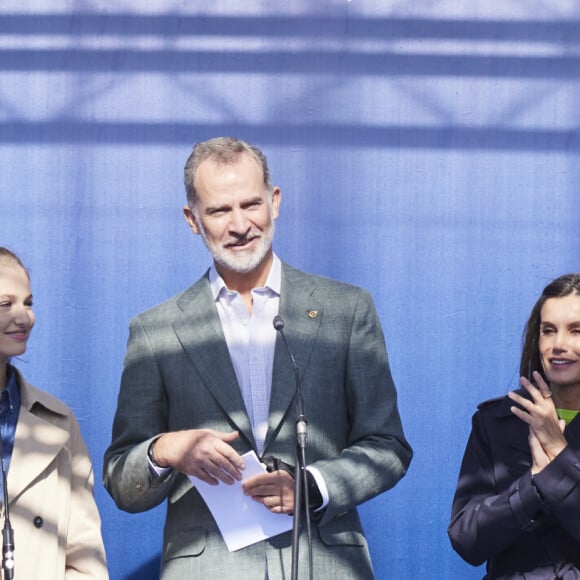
245	261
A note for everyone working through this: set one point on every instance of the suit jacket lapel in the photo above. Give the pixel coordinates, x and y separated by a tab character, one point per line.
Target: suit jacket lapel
302	314
200	333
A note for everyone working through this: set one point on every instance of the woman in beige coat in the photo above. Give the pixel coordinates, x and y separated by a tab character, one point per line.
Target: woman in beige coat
57	529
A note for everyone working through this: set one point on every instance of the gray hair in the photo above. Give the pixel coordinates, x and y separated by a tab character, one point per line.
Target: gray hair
222	150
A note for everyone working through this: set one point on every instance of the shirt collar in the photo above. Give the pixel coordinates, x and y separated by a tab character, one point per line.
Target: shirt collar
273	282
12	392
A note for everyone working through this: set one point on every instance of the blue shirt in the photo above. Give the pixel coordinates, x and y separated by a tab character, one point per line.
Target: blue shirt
9	409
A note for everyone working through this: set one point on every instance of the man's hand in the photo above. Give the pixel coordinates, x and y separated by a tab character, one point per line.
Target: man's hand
204	453
546	429
274	490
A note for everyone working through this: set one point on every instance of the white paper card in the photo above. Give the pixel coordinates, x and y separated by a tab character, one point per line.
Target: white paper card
241	520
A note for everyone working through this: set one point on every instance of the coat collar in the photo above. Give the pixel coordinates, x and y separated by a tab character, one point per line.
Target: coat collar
500	408
30	397
38	440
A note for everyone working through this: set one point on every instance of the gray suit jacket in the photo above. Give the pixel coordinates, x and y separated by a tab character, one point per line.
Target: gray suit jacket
178	375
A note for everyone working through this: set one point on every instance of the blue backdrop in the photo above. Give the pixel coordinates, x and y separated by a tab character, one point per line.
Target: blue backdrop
427	151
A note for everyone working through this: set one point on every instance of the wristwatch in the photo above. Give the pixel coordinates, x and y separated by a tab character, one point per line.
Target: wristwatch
151	454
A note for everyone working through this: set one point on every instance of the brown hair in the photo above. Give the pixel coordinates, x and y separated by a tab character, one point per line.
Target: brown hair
8	256
558	288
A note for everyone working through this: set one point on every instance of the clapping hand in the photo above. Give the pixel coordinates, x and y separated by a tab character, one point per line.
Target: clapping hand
546	436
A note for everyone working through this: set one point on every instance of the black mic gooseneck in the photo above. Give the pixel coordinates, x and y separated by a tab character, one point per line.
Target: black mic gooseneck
300	477
7	531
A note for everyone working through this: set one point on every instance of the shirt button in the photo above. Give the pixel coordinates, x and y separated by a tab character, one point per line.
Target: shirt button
38	522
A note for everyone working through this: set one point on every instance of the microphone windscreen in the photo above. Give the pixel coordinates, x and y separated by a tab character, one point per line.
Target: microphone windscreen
278	322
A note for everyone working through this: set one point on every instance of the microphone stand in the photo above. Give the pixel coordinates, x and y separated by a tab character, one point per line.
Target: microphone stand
301	484
300	474
7	531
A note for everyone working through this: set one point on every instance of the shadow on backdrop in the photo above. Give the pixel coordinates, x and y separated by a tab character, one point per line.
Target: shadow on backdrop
560	62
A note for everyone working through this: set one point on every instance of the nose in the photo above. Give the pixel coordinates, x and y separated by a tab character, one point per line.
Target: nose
22	315
239	223
559	344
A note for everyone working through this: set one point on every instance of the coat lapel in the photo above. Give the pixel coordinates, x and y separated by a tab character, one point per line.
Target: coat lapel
302	315
36	443
200	333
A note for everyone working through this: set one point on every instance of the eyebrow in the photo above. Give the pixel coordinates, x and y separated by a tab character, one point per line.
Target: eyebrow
14	297
215	208
548	323
226	206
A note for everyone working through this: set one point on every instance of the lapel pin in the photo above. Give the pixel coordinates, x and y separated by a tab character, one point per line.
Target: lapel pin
312	313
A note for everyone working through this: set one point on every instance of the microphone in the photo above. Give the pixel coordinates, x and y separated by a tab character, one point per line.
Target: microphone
300	479
301	423
278	322
7	531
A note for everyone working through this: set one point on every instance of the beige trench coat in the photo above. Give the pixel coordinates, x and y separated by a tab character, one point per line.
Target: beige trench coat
57	528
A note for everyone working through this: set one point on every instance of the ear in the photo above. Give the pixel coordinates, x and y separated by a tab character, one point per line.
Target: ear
276	201
190	219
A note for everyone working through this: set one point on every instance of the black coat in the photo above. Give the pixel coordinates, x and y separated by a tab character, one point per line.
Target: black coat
524	527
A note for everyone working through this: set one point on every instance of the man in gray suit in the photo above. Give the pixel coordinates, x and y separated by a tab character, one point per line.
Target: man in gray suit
206	379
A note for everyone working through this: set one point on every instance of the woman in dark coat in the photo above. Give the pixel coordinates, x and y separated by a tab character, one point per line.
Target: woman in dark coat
517	502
